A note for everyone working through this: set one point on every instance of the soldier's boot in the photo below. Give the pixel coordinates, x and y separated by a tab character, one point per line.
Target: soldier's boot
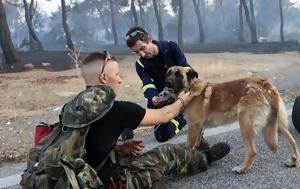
204	145
217	152
296	114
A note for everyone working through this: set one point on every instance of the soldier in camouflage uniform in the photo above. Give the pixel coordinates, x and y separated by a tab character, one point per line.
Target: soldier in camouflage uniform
148	169
126	167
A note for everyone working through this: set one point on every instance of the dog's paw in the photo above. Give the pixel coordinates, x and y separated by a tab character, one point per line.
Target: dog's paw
239	170
291	163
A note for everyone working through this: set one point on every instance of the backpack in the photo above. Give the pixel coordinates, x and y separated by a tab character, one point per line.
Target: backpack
58	159
42	130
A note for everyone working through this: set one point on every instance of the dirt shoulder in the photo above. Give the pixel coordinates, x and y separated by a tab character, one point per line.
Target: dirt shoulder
37	95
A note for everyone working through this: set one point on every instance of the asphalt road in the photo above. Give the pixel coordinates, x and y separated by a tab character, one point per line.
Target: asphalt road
268	170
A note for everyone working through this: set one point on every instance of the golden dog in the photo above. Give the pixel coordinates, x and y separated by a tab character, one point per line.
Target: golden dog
253	101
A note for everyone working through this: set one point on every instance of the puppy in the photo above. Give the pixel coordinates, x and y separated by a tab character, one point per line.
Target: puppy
253	101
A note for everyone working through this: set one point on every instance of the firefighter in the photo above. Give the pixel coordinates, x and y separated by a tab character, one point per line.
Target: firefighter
155	59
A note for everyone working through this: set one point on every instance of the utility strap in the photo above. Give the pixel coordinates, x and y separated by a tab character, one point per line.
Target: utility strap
71	176
112	155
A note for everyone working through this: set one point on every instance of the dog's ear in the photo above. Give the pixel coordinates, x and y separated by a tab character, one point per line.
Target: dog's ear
191	74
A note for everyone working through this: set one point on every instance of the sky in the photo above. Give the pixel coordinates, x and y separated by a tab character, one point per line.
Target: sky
297	2
51	6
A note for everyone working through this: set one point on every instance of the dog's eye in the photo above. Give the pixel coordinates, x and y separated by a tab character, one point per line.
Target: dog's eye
178	74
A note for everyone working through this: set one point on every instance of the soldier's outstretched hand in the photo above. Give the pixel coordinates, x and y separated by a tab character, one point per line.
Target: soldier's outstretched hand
132	147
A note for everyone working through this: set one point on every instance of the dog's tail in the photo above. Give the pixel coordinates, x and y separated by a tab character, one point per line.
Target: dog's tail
277	115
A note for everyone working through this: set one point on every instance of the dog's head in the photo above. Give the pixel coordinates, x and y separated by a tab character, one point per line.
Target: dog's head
180	78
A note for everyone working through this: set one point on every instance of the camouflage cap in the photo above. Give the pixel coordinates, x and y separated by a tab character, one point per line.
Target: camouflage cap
88	106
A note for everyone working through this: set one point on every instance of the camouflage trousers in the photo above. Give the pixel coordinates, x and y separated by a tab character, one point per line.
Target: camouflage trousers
148	169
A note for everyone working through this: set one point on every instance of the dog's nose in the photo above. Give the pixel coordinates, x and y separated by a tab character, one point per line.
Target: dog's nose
168	83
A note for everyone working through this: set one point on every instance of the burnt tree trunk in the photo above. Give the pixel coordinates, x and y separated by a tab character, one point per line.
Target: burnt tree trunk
134	14
222	10
241	28
159	22
180	23
106	28
66	26
142	13
281	21
200	26
10	54
253	18
113	25
249	22
35	43
31	13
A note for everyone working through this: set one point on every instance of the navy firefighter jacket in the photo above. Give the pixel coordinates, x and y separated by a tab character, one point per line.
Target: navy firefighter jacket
152	71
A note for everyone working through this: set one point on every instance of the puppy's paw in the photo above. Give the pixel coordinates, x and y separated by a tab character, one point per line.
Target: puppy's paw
239	170
292	163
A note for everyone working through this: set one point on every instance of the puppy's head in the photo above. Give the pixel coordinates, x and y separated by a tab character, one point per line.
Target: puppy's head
180	78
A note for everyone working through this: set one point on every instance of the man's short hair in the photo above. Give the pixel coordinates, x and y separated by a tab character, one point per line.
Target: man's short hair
134	34
94	56
92	65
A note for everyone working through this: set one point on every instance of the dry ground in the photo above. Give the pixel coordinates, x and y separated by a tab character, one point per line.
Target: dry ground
36	95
